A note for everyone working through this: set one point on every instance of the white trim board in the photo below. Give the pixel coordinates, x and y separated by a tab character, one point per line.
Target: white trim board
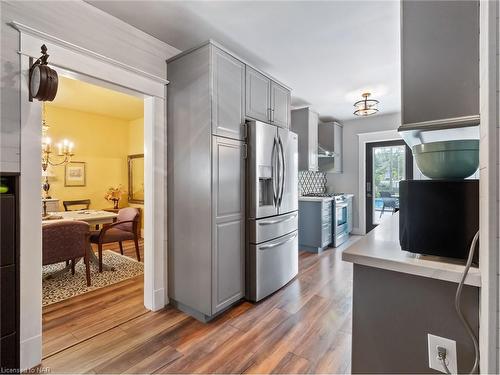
98	71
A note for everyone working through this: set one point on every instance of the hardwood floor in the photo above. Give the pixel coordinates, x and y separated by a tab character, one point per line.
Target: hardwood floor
303	328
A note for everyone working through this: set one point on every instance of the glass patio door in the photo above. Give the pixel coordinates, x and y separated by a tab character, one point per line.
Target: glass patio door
387	163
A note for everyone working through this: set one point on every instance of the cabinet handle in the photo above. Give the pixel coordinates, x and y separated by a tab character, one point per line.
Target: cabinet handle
272	114
269	114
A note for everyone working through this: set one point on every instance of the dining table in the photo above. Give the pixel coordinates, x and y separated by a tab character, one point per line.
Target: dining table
93	218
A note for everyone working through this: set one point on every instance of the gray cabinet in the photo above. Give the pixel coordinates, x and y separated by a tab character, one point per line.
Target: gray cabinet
315	225
280	105
258	95
330	146
228	189
304	122
266	100
439	60
228	98
206	197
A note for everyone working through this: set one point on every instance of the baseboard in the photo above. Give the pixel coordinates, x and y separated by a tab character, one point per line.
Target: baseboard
31	352
158	299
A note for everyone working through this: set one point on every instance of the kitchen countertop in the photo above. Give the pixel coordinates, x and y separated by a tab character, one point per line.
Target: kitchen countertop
315	199
381	249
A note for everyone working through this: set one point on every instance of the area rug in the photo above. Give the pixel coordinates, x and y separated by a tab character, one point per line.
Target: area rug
66	285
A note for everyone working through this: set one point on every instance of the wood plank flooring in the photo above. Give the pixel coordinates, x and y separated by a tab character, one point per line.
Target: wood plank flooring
303	328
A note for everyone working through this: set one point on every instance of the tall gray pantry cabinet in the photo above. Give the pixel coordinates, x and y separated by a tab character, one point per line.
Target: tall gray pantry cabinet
206	181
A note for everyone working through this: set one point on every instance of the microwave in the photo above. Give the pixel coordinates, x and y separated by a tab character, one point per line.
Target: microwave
438	217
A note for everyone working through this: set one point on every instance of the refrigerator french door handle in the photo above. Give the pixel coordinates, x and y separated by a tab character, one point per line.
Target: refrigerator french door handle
282	183
273	172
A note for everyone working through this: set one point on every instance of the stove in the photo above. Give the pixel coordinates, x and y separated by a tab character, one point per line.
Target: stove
339	197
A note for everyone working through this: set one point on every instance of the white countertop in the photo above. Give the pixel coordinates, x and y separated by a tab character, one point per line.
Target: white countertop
381	249
315	199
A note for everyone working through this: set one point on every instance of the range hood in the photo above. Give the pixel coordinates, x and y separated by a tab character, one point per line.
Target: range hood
466	127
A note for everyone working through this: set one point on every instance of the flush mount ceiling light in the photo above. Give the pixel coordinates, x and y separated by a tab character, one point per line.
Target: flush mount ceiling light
366	107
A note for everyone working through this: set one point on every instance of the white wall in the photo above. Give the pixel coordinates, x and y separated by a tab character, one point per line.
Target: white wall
85	26
347	182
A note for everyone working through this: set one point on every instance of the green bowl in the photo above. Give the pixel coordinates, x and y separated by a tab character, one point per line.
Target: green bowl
448	159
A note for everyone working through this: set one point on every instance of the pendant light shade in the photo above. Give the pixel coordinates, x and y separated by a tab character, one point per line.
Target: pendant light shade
366	107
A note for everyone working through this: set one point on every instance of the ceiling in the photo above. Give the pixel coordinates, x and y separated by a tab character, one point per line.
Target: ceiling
85	97
328	52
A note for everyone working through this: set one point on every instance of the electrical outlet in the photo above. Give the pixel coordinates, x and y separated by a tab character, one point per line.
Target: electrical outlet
451	353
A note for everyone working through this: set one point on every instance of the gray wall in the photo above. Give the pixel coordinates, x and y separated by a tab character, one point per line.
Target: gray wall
75	22
347	181
392	314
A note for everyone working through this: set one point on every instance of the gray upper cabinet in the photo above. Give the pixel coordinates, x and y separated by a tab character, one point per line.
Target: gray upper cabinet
330	147
228	99
258	95
280	105
304	122
228	189
266	100
440	60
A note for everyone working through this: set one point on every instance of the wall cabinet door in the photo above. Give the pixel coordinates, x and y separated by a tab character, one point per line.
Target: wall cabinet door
313	141
439	60
258	90
228	246
228	99
280	105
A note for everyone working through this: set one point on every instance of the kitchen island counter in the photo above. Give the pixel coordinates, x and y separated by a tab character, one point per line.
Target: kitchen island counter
381	249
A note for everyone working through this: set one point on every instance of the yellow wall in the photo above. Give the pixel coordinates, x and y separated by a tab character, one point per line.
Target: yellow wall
136	146
103	143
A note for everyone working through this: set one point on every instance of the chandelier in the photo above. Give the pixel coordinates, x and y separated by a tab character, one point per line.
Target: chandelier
366	107
64	148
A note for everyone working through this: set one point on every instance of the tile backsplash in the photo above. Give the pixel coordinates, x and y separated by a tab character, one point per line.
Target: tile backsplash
311	182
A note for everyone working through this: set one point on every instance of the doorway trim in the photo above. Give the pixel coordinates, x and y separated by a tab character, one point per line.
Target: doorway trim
363	139
97	69
368	169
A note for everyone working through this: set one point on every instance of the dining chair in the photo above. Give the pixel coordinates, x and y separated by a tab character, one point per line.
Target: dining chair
81	202
388	201
64	241
126	228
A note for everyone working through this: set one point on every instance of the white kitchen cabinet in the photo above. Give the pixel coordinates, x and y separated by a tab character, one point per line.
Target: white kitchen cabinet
266	100
331	147
304	122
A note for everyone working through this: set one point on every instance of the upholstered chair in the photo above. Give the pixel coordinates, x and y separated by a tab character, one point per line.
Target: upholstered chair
66	240
126	228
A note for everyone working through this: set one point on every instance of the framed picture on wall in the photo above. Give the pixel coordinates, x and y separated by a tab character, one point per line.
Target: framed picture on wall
74	173
136	178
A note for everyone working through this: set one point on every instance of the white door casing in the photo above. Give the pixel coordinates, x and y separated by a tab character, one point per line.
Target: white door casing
97	69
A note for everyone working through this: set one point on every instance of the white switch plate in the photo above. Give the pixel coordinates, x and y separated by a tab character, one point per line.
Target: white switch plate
451	353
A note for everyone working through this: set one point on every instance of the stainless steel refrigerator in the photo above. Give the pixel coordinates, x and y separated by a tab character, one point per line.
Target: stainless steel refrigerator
272	243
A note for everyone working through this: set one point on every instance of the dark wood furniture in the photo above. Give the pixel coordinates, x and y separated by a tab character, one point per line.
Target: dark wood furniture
9	273
126	228
81	202
66	241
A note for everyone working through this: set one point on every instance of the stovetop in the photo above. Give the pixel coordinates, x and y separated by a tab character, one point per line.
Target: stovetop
339	197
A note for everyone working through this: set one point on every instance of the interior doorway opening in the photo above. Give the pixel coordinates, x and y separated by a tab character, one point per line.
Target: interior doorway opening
92	173
387	163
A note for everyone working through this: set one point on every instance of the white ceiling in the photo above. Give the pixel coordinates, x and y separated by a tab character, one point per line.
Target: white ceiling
328	52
